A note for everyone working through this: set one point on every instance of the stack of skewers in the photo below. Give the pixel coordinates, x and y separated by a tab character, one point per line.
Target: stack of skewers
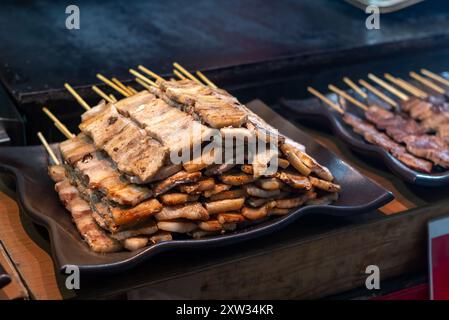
413	128
119	180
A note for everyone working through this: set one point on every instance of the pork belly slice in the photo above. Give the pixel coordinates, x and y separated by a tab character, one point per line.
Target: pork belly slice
129	104
73	150
129	147
57	172
147	228
99	173
104	125
96	238
212	106
126	217
190	211
169	125
179	178
66	191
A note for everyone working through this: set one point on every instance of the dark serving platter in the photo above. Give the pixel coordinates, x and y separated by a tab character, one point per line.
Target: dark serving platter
314	110
4	277
38	199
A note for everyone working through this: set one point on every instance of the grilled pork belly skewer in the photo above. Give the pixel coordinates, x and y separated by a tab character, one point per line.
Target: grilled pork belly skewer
372	135
95	237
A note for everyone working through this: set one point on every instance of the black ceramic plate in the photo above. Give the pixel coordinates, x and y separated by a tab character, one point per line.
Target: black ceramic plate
37	198
314	109
4	277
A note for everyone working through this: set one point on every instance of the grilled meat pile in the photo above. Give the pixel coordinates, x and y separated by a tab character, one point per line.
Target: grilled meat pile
125	191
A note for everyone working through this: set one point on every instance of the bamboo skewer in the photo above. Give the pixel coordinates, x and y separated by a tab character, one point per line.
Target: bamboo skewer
121	85
185	72
102	94
142	77
324	99
132	90
388	87
143	84
78	98
355	87
206	80
346	96
48	148
150	73
427	83
435	77
58	123
112	85
179	74
406	86
378	93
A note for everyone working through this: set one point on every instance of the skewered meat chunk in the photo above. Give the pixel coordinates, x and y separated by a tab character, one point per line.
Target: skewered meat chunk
173	199
218	188
429	147
290	203
190	211
129	147
372	135
294	180
224	205
253	191
236	178
99	173
66	191
176	226
73	150
81	213
56	172
170	126
258	213
161	236
148	228
135	215
324	185
228	194
213	106
198	187
179	178
135	243
224	218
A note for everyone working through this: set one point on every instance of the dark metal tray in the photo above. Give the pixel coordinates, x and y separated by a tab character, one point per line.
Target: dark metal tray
38	199
315	110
